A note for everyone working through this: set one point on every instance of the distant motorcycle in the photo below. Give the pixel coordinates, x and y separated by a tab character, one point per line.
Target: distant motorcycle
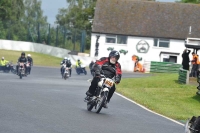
66	72
21	70
9	67
101	94
81	69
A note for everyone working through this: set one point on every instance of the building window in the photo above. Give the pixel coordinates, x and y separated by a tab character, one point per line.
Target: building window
161	43
119	39
110	39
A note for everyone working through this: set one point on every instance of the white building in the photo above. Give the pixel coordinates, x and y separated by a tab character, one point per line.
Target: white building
152	30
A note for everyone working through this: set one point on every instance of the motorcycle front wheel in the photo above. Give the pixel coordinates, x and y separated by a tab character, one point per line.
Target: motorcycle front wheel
101	101
20	75
89	106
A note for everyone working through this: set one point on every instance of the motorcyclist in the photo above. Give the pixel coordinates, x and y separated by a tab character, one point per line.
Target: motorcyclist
22	59
68	63
3	63
78	64
110	67
30	60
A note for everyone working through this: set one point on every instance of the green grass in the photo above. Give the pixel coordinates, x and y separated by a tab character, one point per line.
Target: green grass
163	94
38	58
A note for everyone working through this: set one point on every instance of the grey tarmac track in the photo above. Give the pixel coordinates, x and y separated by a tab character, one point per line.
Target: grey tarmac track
45	103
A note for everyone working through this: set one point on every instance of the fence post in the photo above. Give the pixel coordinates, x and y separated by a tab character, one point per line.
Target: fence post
83	41
38	33
64	39
57	36
49	34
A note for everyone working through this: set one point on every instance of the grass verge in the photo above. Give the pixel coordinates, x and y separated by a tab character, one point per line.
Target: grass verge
163	94
38	58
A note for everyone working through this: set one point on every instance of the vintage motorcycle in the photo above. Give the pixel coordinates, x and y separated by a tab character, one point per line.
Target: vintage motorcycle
21	70
101	94
81	69
8	68
66	72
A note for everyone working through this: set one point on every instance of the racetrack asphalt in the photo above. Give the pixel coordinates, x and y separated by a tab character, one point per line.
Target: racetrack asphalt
45	103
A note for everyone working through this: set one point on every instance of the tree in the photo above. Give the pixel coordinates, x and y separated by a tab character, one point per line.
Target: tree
77	14
34	21
21	20
11	9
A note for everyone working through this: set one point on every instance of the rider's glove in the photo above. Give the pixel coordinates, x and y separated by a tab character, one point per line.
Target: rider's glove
117	80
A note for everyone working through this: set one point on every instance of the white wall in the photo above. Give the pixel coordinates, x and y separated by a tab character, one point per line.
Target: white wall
176	46
42	48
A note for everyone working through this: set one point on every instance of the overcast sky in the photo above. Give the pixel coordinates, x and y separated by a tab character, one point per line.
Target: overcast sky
50	8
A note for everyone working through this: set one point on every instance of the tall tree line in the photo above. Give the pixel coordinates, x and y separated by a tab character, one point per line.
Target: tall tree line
22	20
76	18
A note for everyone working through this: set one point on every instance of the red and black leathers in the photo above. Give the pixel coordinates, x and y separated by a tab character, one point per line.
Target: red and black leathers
109	70
104	66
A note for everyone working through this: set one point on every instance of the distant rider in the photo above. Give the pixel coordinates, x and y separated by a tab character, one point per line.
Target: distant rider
3	63
30	60
68	63
78	65
22	59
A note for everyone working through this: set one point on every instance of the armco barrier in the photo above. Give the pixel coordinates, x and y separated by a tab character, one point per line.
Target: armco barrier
126	65
183	76
34	47
42	48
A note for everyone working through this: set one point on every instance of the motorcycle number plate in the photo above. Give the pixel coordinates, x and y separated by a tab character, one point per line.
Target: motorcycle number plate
108	83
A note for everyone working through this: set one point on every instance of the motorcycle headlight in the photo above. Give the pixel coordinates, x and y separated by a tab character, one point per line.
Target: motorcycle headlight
100	83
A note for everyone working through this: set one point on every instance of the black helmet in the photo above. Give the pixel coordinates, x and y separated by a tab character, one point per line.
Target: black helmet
115	54
23	53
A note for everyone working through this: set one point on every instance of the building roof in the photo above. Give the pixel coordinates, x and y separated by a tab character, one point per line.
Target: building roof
147	19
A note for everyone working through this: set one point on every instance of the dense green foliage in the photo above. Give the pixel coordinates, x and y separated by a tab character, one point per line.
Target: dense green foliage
77	17
23	20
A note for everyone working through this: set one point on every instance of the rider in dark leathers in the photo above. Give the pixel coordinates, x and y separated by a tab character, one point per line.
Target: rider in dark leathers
110	67
68	64
22	59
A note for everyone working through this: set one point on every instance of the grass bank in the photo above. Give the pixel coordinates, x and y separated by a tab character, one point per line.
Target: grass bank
163	94
38	58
